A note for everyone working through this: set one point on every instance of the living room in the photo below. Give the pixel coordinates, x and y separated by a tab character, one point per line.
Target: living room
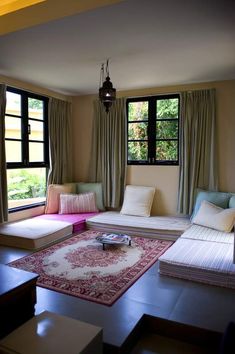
200	61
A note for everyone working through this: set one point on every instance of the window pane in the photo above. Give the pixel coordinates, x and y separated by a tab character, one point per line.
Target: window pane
137	111
13	151
137	150
167	129
137	131
36	152
35	108
26	186
13	105
13	127
36	130
167	150
167	108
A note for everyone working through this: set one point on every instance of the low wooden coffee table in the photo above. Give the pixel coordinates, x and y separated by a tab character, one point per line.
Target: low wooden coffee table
113	239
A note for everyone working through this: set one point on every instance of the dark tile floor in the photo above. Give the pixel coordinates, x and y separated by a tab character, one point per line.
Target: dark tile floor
203	306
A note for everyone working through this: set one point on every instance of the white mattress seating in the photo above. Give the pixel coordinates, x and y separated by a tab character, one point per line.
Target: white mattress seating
161	227
53	226
197	232
205	252
203	261
33	233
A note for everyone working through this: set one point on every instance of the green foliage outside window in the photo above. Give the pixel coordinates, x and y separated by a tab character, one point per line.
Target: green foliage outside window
167	108
137	151
23	185
138	111
165	123
166	150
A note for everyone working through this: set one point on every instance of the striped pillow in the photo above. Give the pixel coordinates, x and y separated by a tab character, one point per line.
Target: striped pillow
77	203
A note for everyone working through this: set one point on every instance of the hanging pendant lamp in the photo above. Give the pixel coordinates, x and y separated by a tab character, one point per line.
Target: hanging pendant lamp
107	94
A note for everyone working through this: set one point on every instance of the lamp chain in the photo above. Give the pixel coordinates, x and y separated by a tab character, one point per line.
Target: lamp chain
107	67
102	75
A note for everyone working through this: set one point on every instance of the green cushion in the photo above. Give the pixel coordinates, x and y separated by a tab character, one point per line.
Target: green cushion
232	201
73	186
218	198
95	188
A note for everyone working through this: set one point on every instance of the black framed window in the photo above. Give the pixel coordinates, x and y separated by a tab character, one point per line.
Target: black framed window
153	130
27	147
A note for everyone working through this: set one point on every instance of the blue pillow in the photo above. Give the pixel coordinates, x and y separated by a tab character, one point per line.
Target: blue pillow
218	198
232	201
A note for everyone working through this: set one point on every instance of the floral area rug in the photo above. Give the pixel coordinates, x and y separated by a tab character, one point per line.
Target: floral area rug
80	267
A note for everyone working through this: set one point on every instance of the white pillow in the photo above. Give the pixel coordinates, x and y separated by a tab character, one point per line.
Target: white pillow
138	200
217	218
77	203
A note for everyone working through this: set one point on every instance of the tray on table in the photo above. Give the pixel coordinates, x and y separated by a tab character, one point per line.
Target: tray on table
114	239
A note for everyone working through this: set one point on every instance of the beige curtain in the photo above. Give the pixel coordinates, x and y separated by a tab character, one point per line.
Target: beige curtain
3	173
59	124
198	167
109	152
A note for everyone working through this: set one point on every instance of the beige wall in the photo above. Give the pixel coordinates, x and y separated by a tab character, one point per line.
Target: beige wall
32	88
163	178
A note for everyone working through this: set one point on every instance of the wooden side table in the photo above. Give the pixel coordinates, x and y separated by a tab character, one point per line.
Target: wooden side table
17	297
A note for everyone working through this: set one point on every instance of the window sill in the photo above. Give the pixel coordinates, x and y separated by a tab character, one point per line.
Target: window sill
25	207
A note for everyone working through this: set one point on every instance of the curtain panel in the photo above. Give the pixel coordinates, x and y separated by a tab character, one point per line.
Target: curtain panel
198	167
59	127
3	172
109	151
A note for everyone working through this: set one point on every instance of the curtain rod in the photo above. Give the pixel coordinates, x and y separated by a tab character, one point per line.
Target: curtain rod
170	93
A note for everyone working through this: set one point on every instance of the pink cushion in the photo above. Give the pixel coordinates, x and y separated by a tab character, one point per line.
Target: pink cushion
77	220
77	203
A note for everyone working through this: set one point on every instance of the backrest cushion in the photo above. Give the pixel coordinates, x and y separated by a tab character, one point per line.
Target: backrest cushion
93	188
218	198
73	186
217	218
137	200
232	201
53	196
77	203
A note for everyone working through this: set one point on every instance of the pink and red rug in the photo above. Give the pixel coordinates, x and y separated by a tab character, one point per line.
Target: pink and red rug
78	266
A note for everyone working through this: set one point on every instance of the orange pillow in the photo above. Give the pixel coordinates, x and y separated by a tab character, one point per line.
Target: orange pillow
53	196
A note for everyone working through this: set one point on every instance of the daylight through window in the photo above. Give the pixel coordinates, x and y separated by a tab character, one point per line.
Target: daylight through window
153	130
26	142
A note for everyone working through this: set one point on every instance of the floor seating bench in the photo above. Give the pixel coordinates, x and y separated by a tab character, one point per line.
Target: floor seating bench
40	231
160	227
201	254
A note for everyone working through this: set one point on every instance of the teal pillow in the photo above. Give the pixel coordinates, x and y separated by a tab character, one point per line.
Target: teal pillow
232	201
95	188
218	198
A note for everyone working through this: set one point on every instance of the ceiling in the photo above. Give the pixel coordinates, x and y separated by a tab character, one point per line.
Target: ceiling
149	43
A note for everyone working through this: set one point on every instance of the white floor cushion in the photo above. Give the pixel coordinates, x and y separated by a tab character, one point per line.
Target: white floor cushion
161	227
32	233
202	261
196	232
